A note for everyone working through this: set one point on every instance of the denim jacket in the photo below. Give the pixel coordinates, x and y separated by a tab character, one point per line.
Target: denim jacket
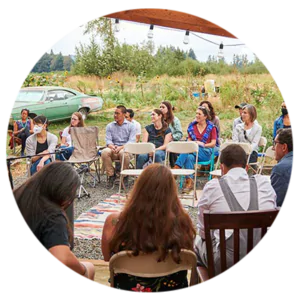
280	177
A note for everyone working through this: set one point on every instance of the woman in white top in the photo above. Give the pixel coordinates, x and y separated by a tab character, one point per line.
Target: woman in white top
249	131
66	141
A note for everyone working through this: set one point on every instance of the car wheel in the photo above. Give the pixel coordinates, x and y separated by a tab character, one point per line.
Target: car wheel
84	113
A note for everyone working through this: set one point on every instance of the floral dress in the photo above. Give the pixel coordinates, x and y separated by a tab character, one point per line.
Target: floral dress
173	281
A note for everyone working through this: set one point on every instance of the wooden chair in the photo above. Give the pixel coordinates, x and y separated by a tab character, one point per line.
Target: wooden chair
146	265
236	221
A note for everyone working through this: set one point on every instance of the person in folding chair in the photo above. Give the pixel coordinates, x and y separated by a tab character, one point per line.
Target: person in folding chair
283	121
23	128
205	134
153	219
174	125
235	191
281	173
66	140
43	200
157	133
41	142
118	133
249	131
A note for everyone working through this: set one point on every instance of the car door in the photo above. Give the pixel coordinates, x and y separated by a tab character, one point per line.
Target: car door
72	101
56	106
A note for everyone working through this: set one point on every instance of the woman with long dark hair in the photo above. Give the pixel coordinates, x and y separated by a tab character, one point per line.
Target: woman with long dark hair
153	219
42	201
157	133
174	125
205	134
212	115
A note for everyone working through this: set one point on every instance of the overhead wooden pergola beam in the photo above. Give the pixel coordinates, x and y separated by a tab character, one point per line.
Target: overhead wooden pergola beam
172	19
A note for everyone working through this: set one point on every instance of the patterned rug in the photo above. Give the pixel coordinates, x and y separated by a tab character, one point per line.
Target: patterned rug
89	225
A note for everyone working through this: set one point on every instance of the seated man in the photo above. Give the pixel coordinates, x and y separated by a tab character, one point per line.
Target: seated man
281	173
129	117
118	133
235	191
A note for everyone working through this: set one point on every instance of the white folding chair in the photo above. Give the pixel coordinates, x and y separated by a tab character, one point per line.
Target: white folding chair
268	160
246	146
134	149
262	143
180	148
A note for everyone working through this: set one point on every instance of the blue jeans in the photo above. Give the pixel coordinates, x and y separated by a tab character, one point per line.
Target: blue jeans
188	160
34	165
143	158
66	154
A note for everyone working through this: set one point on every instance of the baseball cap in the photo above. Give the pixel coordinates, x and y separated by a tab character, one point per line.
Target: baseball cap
241	105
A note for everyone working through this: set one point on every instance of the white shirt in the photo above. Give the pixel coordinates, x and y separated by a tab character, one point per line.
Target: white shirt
67	135
138	128
212	198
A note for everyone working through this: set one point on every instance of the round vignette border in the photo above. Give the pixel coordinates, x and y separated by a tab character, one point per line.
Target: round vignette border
259	52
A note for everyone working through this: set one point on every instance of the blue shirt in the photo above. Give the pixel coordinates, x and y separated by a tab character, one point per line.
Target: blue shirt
280	177
278	123
120	135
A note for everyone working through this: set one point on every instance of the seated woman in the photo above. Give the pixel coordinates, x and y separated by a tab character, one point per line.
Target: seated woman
66	141
157	133
174	125
283	121
41	142
205	134
249	131
23	128
42	201
213	118
153	219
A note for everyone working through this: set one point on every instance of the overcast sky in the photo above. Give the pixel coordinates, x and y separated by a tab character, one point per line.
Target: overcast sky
135	33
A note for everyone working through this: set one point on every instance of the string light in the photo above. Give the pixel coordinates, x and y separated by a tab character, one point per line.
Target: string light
150	32
117	25
186	39
220	53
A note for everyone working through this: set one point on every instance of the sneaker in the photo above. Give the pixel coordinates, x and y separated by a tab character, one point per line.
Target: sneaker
110	182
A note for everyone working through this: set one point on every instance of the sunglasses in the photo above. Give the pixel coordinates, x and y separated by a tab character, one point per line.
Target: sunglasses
245	135
275	142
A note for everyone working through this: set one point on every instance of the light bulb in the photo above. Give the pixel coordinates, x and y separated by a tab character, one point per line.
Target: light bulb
150	32
220	53
117	25
186	39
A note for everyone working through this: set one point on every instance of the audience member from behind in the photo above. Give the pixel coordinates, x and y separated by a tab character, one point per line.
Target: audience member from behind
138	129
281	173
157	133
41	142
118	133
283	121
42	201
66	140
153	219
174	124
249	131
234	191
23	128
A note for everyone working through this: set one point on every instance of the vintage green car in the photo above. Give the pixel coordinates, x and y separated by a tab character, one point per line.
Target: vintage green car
54	102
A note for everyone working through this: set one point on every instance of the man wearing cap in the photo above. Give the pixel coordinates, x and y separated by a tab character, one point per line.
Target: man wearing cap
239	119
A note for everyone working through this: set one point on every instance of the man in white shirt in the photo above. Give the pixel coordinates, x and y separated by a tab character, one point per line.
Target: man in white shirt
215	198
129	116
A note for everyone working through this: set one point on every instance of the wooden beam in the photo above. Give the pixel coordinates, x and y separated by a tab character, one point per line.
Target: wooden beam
171	19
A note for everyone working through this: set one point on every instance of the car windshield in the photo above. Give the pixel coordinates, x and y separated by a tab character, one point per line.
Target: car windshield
30	96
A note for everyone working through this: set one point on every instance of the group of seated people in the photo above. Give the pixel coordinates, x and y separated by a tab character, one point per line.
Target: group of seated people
153	218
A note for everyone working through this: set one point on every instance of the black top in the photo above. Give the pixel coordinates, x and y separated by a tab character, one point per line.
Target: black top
154	138
41	147
51	230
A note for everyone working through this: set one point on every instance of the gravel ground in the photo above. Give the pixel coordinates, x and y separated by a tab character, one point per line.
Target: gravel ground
91	249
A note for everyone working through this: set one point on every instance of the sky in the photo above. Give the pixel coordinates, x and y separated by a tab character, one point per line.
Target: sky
136	33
